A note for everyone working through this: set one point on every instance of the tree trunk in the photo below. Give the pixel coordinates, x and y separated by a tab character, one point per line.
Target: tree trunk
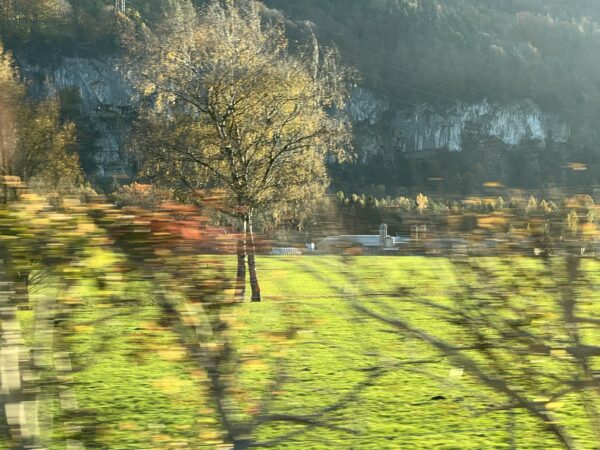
240	288
252	265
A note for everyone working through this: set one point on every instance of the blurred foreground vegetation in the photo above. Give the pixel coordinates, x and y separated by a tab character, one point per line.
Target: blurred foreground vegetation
128	334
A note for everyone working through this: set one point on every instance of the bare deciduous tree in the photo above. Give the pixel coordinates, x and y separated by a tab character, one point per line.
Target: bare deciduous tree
234	108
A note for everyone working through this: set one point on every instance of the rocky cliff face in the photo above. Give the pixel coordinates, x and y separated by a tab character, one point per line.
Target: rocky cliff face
106	102
381	127
428	127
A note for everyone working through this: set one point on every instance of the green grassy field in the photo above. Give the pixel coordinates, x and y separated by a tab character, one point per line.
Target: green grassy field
137	388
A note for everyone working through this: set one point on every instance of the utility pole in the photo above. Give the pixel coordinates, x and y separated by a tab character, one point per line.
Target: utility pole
120	6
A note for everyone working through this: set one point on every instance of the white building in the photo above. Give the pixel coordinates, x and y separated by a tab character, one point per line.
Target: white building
381	242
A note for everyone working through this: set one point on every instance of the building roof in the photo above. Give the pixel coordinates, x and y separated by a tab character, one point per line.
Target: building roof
366	240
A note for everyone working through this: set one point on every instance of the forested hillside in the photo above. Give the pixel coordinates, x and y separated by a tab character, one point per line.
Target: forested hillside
449	49
408	53
413	49
440	52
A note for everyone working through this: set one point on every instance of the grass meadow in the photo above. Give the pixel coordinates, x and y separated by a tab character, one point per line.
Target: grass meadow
133	386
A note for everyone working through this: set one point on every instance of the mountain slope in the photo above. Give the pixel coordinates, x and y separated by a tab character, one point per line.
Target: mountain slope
514	85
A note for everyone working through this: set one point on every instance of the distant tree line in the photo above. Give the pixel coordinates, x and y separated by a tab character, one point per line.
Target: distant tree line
527	166
517	217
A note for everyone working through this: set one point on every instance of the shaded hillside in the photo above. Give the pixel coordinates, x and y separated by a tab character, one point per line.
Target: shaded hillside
436	50
429	63
410	50
512	85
